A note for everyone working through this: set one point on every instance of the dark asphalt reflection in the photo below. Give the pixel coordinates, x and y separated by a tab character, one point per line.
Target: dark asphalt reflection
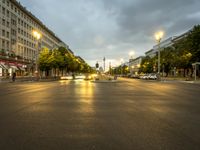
130	114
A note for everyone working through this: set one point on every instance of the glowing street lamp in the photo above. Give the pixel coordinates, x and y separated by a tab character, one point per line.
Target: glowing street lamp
131	54
38	36
158	37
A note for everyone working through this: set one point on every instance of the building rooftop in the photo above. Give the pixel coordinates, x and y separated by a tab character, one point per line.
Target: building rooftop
22	8
132	60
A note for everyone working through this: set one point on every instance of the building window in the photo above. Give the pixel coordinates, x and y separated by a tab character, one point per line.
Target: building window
8	24
13	32
8	4
3	10
3	43
8	13
3	22
7	34
13	22
3	32
7	44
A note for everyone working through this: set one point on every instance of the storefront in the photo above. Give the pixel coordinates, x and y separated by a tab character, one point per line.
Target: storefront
3	69
8	68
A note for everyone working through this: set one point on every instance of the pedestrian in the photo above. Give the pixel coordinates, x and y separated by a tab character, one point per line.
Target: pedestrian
13	76
7	75
73	76
115	77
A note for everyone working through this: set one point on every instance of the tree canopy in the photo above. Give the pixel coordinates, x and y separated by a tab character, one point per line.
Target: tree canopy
180	55
61	60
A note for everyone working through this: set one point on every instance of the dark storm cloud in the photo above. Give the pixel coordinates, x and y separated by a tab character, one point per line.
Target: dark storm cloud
149	16
112	28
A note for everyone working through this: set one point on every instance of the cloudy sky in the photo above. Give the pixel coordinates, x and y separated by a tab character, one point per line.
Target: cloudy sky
113	28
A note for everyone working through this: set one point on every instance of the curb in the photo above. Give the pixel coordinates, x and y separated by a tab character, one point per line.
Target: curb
182	81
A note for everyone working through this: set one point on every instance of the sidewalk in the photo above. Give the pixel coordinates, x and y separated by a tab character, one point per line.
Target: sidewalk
180	79
27	79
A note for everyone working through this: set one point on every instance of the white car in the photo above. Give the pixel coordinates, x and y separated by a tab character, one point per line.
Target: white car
153	77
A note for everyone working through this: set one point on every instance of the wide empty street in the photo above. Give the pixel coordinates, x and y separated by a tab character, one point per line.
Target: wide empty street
84	115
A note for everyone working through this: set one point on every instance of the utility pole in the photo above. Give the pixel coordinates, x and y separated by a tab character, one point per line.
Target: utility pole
158	37
110	68
104	64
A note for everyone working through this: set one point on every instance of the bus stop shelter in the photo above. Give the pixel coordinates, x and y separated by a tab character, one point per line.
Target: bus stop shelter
195	69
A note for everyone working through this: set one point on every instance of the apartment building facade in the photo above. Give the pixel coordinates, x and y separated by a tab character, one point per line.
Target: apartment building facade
18	46
163	44
134	65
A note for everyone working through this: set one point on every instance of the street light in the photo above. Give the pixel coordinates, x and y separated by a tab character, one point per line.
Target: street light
121	60
104	64
36	35
158	37
131	54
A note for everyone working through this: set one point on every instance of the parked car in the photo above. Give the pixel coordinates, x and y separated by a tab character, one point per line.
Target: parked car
146	76
129	75
150	76
153	77
135	76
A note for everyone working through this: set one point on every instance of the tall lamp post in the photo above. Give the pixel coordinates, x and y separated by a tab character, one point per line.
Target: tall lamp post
121	60
158	37
104	64
36	35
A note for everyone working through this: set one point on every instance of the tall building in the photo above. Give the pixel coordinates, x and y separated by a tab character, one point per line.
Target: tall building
166	43
163	44
19	48
134	65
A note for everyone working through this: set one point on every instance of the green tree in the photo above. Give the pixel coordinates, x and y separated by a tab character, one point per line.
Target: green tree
193	42
61	59
168	59
44	61
148	65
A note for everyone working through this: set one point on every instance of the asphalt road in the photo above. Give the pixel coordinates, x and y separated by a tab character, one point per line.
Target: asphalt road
80	115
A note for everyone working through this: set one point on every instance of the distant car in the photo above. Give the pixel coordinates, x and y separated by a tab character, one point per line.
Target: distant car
150	76
129	75
80	77
146	76
66	77
135	76
88	77
153	77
